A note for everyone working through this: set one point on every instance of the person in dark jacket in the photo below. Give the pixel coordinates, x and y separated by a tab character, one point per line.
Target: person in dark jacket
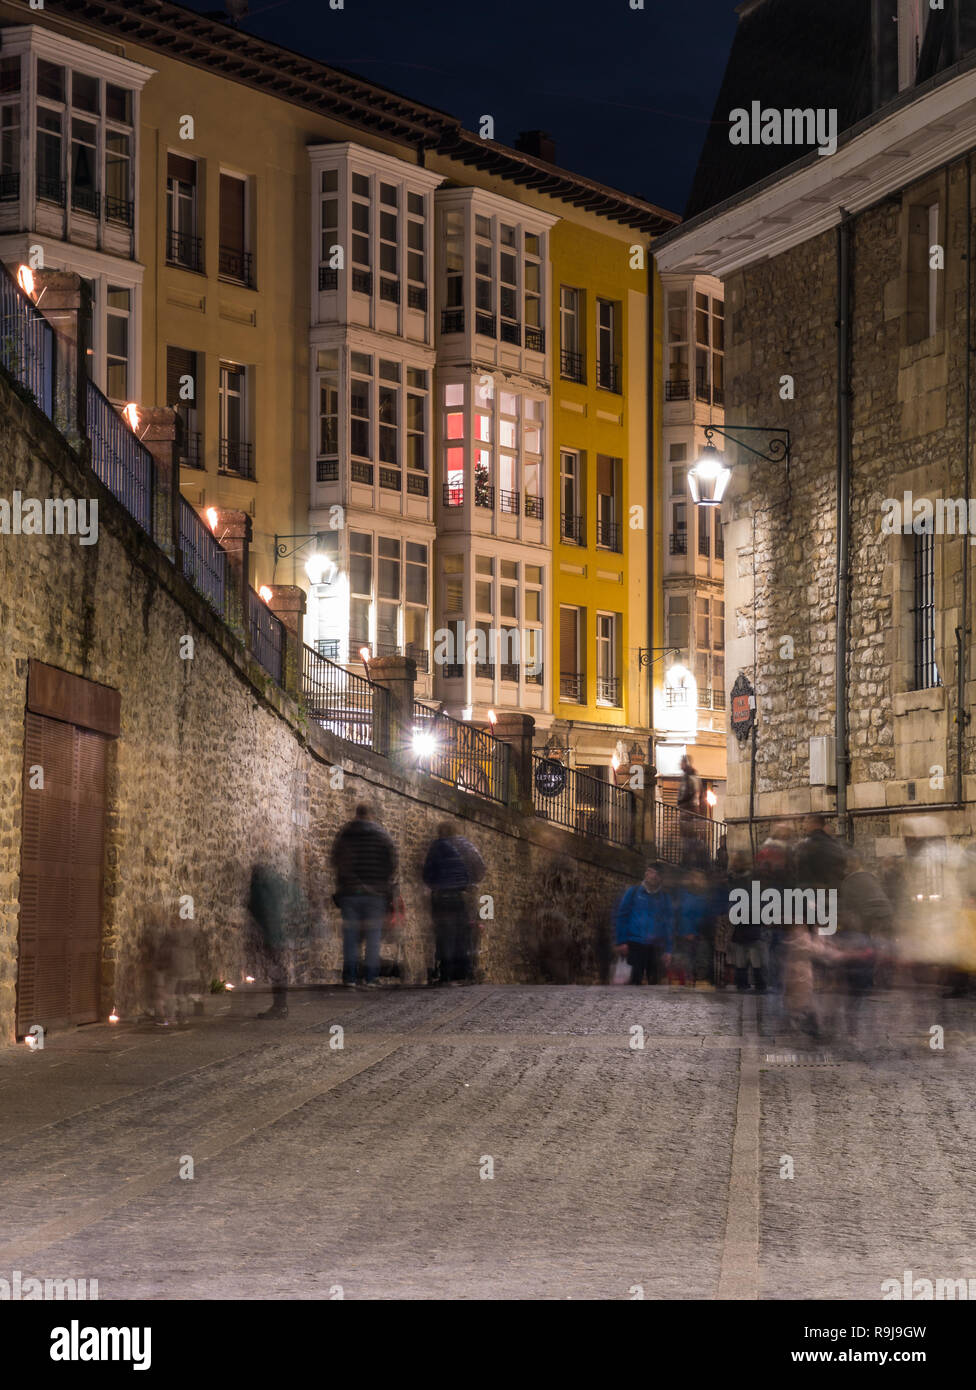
644	927
452	868
365	862
821	860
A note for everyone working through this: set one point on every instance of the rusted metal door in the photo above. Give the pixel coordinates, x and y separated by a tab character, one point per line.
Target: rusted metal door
61	873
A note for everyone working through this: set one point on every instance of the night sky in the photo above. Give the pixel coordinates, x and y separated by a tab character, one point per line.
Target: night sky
627	95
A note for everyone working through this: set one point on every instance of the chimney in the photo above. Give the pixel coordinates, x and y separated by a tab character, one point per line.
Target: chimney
538	143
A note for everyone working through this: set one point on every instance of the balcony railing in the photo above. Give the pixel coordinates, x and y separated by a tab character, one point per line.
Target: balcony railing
362	281
571	367
267	635
390	290
51	191
509	502
361	472
453	496
123	463
417	297
704	544
203	561
608	690
587	804
484	496
452	321
27	343
463	756
719	544
608	375
345	703
677	390
237	456
511	333
535	339
572	687
327	470
681	837
184	250
328	277
534	507
119	210
484	324
192	455
9	188
391	479
609	535
417	484
236	265
571	528
328	646
85	200
679	543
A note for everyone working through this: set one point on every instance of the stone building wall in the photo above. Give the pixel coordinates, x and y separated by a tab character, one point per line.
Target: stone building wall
908	415
215	767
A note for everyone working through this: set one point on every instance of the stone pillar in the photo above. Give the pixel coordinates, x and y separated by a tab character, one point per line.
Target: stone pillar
398	675
65	301
158	430
233	530
287	602
518	731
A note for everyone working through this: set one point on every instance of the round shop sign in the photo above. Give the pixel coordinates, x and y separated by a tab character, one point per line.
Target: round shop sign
550	777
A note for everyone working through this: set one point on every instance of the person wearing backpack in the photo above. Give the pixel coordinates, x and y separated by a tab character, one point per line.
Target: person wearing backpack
365	862
452	868
644	928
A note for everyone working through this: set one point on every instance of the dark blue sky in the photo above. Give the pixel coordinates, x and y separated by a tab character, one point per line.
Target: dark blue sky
626	94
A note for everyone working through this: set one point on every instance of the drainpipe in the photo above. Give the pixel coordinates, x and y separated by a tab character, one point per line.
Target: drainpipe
962	632
844	238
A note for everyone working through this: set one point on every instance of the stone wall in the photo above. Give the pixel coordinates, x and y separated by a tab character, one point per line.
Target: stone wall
907	415
215	766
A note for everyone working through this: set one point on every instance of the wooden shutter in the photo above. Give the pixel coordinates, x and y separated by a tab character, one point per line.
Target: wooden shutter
62	857
179	362
183	169
231	214
568	645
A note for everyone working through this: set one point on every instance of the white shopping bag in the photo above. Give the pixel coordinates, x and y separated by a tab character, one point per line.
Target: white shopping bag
621	972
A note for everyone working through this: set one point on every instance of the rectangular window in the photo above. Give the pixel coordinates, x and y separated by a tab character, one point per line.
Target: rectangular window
571	335
183	394
572	666
84	183
327	467
361	212
389	414
678	623
453	570
609	533
9	151
50	183
235	449
607	680
416	425
182	238
704	530
925	671
234	258
416	252
118	177
360	401
117	343
571	497
607	347
924	315
454	268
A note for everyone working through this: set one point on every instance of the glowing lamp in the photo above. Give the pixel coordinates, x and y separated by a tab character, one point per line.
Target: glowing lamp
130	415
265	593
212	518
25	279
709	477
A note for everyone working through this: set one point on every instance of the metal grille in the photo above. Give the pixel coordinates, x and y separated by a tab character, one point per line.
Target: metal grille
348	706
609	535
533	507
680	836
677	390
26	343
608	376
572	687
266	633
571	366
125	466
571	528
236	456
233	264
679	542
184	250
466	757
508	502
588	805
926	672
203	560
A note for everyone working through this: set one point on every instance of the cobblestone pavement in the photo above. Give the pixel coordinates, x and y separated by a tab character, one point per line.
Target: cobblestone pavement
318	1167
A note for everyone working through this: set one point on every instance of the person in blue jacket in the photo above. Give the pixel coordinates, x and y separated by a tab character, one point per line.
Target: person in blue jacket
644	927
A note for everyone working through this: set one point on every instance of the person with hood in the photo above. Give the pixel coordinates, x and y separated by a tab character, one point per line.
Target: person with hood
644	928
452	868
365	862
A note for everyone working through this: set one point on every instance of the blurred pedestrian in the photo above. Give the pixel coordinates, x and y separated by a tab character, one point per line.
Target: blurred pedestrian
776	869
821	860
864	919
452	868
748	947
644	928
269	902
365	862
692	930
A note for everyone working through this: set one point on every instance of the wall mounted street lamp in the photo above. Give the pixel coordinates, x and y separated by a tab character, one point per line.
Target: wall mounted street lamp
644	658
709	475
319	568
